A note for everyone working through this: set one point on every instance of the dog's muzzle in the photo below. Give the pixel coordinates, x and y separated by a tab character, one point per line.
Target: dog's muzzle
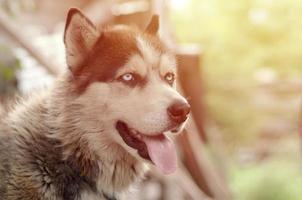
158	148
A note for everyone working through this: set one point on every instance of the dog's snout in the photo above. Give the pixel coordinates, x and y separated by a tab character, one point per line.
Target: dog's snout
179	111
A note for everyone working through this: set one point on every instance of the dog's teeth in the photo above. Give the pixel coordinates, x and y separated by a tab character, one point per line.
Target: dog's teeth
135	133
139	135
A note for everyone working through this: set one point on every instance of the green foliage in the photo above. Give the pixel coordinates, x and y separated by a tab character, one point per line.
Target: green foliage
245	34
271	181
8	67
239	38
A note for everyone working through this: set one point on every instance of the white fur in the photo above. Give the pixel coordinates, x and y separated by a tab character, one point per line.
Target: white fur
150	55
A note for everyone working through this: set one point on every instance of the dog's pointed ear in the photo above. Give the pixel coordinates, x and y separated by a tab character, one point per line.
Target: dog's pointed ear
79	37
153	26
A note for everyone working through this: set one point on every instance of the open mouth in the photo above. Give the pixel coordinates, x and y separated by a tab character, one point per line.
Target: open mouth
159	149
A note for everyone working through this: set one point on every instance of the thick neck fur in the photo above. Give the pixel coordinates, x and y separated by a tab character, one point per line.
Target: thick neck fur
89	150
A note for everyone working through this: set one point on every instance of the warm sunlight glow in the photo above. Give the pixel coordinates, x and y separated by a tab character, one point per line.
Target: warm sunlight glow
179	4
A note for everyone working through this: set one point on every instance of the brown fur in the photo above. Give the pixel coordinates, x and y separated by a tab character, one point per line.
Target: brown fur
113	49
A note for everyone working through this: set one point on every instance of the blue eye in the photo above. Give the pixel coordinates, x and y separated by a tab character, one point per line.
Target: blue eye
130	79
127	77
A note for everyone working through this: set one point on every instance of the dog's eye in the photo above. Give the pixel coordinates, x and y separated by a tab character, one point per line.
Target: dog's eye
170	77
129	79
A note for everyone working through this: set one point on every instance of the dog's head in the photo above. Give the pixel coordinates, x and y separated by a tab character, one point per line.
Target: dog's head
125	81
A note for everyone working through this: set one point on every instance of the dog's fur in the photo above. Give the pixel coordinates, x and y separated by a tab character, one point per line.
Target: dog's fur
63	143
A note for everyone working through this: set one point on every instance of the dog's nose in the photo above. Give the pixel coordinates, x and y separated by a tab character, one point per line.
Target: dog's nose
179	111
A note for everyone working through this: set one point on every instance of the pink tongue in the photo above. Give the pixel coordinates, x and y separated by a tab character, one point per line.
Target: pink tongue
162	152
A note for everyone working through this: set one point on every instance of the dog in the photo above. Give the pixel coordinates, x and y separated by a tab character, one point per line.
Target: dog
107	118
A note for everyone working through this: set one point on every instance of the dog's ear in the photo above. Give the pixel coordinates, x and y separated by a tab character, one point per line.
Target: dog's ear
79	37
153	26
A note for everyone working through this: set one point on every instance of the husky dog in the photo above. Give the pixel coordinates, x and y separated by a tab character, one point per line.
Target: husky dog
91	135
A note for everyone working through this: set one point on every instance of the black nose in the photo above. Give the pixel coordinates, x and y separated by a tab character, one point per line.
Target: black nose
179	111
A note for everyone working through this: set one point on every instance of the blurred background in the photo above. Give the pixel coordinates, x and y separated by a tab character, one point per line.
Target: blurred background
240	65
